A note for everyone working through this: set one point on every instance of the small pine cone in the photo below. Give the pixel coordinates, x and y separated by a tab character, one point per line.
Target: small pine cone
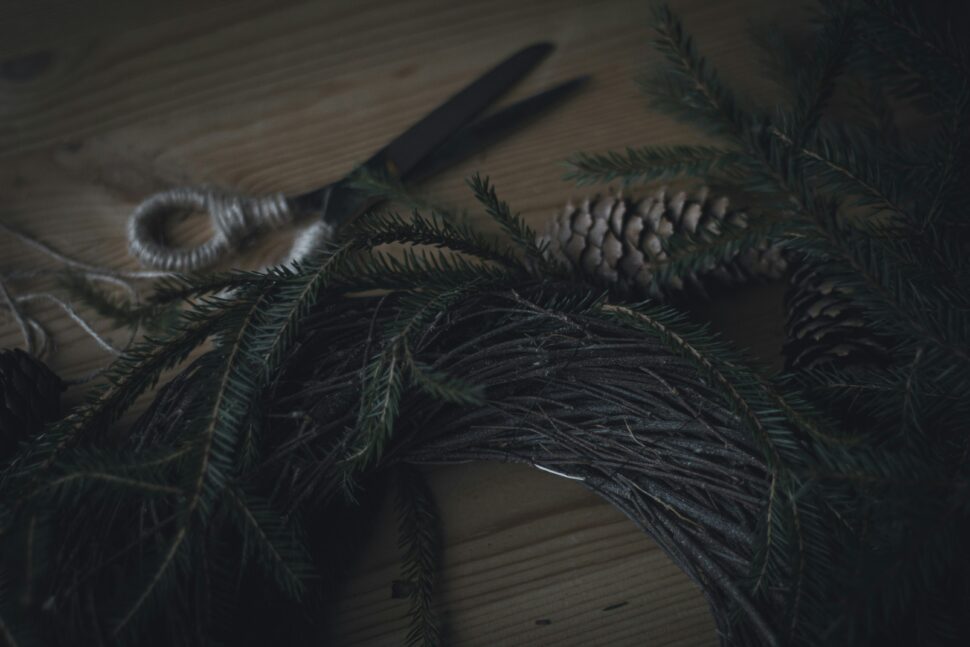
619	242
30	396
823	325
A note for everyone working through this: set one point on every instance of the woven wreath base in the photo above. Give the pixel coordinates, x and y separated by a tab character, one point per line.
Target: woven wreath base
589	399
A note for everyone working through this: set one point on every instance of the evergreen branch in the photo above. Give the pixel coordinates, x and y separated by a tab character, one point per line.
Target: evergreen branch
383	228
166	562
799	570
387	187
135	372
381	389
876	285
378	270
781	55
283	554
691	85
837	158
647	163
418	530
146	486
692	253
825	232
833	47
915	50
187	287
514	226
12	631
385	377
225	411
102	466
300	291
444	387
219	419
7	635
950	176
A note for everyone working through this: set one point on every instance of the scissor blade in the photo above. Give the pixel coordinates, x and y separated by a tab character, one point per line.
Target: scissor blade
476	136
401	155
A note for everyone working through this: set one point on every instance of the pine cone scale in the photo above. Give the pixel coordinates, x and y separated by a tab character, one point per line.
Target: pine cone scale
824	324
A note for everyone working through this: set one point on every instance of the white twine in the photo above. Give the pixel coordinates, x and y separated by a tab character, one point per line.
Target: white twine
309	240
558	473
234	218
36	339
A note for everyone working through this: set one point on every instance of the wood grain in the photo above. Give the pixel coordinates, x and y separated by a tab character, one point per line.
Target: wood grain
102	103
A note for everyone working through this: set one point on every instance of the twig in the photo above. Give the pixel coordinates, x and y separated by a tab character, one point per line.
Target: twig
18	317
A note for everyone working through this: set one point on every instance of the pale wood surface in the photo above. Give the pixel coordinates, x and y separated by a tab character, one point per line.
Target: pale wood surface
103	102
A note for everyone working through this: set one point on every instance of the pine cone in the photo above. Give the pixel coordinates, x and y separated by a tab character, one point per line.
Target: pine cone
619	243
30	396
823	325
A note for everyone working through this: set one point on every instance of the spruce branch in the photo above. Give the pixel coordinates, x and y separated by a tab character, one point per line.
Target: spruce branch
915	57
690	83
114	479
131	375
816	84
444	387
180	288
276	545
818	220
298	292
379	270
523	236
387	187
387	227
878	285
387	375
14	628
418	531
836	160
381	388
213	435
698	253
641	165
946	191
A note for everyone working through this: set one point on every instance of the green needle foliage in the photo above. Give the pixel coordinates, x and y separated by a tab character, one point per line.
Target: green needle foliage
827	506
874	206
184	503
418	519
640	165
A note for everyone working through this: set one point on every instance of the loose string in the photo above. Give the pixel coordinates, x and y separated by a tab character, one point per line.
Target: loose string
36	339
234	217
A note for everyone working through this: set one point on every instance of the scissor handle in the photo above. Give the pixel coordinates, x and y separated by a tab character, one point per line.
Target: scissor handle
234	217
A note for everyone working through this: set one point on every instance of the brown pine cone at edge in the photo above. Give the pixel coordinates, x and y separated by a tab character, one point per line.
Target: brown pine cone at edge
822	325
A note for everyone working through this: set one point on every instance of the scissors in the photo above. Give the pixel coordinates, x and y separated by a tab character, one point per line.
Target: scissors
443	137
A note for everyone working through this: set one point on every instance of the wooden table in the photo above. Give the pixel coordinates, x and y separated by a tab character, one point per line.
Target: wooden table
103	103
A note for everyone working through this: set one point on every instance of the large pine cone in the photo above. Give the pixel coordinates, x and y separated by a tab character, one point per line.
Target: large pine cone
618	242
823	325
30	396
